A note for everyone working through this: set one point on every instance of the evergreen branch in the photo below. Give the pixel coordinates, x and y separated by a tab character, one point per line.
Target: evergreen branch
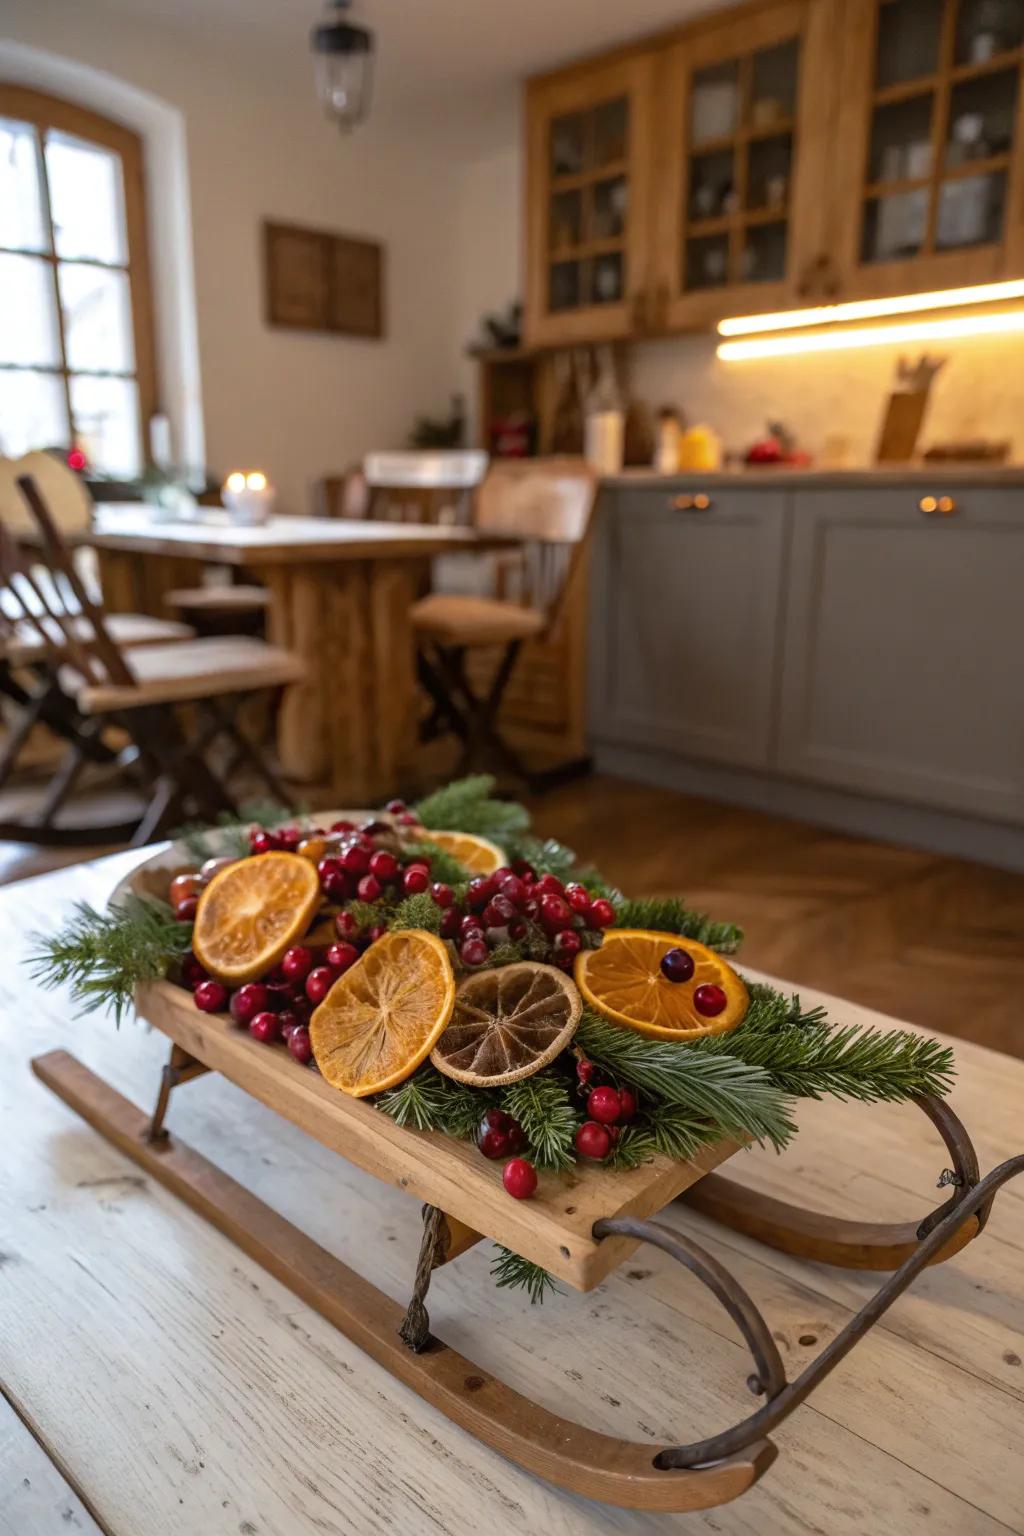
104	956
547	856
548	1116
512	1271
420	911
735	1098
466	806
668	914
442	865
429	1101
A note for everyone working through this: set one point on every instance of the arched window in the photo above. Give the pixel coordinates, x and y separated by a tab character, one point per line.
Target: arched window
76	323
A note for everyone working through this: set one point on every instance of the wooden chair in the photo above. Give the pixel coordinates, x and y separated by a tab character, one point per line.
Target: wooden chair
139	690
548	505
423	486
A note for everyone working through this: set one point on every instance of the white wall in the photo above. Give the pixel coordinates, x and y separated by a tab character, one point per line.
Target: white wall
299	406
979	393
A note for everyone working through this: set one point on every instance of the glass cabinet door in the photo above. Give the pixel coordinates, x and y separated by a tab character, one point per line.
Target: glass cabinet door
589	171
931	131
741	100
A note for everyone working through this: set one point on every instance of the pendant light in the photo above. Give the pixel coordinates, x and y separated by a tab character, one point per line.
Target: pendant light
343	59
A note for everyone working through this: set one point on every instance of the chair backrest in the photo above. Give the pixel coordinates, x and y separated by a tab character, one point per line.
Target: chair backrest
346	495
44	596
68	500
548	503
424	486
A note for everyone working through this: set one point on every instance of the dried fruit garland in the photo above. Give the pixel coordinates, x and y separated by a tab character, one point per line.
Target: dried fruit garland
473	980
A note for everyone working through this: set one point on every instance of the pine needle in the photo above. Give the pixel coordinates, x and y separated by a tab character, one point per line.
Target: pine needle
466	806
103	956
513	1272
442	866
550	1119
429	1101
668	914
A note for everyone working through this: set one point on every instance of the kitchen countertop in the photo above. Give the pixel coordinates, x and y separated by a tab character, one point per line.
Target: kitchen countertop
930	476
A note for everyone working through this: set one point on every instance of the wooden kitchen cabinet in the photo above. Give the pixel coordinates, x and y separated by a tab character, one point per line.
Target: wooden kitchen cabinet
928	153
685	620
903	644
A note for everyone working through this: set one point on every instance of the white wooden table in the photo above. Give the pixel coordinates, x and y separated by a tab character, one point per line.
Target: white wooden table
177	1390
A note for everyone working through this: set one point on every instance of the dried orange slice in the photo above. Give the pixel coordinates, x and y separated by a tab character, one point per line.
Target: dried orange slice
381	1019
508	1023
477	854
251	912
623	981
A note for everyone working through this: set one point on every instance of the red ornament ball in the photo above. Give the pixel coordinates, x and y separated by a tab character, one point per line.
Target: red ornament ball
593	1140
210	997
604	1105
319	983
300	1045
709	1000
265	1027
519	1178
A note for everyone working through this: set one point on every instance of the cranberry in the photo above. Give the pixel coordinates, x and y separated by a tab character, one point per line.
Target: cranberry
601	914
264	1027
474	952
479	892
192	973
416	879
554	914
185	910
329	867
709	1000
377	932
290	838
287	1021
450	923
470	928
593	1140
346	926
396	807
210	997
369	888
517	929
498	912
499	1134
341	956
248	1001
512	888
677	965
568	942
261	841
339	887
585	1071
343	826
383	865
443	894
550	885
531	907
407	819
319	983
356	859
627	1102
525	870
519	1178
605	1105
182	887
297	962
578	898
300	1045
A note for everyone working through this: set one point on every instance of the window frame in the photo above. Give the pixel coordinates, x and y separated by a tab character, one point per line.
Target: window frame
45	112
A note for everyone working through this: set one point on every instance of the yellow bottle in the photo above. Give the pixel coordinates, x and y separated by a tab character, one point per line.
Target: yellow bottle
700	448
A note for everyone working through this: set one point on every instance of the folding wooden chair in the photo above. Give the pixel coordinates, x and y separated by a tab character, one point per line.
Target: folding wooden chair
548	505
141	690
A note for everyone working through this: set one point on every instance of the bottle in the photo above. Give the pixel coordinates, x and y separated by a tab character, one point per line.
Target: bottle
605	427
670	432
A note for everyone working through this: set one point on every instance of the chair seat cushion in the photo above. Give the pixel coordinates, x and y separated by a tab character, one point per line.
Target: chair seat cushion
219	599
455	620
190	669
24	644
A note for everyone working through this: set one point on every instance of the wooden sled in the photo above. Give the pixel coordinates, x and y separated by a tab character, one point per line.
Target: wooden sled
578	1226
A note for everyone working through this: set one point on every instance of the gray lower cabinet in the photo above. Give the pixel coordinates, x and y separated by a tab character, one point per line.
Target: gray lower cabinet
686	619
903	660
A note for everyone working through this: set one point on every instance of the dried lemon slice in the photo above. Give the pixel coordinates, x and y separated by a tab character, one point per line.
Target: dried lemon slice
251	912
508	1023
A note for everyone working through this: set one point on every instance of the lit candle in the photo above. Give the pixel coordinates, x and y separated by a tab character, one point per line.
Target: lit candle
248	496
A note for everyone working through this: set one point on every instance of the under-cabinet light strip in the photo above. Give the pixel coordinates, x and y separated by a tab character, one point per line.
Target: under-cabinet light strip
871	309
1005	323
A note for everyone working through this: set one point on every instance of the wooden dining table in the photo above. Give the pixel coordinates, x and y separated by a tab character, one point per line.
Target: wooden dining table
340	597
155	1380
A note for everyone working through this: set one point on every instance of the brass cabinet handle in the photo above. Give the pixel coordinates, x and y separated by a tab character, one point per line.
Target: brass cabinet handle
696	503
938	506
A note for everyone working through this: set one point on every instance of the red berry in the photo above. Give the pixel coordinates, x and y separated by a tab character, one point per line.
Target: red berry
407	819
512	888
264	1027
519	1178
613	1134
584	1071
214	866
297	962
578	898
182	887
525	870
443	894
450	923
261	841
517	929
300	1045
287	1021
469	927
549	885
627	1102
709	1000
346	926
384	865
554	914
677	965
593	1140
377	932
341	956
339	887
330	866
474	952
568	942
185	909
531	907
396	807
356	859
369	888
319	983
192	973
479	892
210	997
248	1001
289	838
343	826
601	914
604	1105
498	912
499	1134
416	879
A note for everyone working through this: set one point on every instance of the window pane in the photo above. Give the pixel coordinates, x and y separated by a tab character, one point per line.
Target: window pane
106	417
28	313
21	210
33	413
86	199
97	318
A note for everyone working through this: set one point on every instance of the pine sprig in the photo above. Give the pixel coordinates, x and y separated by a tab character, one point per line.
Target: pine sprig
429	1101
104	956
550	1119
668	914
466	805
442	866
512	1271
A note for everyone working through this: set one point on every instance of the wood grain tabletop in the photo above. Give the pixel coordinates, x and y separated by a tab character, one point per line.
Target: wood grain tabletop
161	1383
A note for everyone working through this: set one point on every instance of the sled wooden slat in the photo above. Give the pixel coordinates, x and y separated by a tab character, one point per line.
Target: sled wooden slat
553	1229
